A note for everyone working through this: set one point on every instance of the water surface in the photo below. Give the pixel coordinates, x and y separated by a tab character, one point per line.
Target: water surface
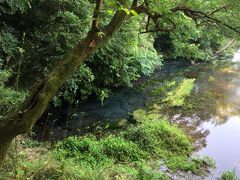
223	139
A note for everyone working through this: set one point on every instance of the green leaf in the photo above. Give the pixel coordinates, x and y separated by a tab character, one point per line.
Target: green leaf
133	12
111	12
127	11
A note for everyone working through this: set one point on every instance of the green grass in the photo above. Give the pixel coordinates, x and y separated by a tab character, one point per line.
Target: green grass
155	135
93	152
229	175
133	153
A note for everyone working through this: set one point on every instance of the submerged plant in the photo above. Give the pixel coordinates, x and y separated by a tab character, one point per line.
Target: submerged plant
173	93
177	96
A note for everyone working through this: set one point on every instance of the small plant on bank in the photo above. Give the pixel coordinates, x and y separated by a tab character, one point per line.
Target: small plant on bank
229	175
155	135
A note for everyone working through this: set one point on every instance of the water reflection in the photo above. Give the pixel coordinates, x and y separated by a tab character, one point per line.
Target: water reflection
217	128
223	144
228	86
236	56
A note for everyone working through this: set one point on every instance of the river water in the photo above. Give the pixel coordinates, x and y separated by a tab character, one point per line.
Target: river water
223	140
214	123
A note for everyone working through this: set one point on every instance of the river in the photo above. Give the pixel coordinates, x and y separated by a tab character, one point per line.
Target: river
212	117
223	141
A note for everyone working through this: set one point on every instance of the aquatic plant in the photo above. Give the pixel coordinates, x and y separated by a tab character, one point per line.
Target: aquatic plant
172	93
177	96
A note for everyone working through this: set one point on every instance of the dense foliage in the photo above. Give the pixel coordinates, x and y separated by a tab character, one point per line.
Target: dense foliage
36	34
10	99
46	32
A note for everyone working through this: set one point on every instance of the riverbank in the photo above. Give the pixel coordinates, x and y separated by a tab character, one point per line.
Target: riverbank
151	148
159	140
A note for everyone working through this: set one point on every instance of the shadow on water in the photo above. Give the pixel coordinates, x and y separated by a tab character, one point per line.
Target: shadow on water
93	114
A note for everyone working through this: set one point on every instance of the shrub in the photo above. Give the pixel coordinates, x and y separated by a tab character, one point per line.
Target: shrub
83	150
229	175
157	136
10	99
121	150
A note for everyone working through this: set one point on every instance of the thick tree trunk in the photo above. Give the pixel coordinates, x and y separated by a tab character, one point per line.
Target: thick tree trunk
5	144
37	102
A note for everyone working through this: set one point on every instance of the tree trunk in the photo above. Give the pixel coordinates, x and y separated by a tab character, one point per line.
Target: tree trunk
33	108
5	144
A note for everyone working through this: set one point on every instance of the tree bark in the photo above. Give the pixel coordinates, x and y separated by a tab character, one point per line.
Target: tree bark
5	144
33	108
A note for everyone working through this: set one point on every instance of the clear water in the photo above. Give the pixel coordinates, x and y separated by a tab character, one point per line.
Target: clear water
223	140
223	144
216	126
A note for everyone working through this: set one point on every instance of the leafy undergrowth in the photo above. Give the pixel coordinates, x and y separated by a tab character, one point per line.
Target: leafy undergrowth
229	175
135	153
10	99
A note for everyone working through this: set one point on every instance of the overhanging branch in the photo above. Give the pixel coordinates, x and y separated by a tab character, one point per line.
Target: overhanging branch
200	15
96	15
224	7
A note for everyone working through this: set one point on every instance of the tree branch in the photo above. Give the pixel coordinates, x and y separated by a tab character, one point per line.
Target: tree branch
148	21
158	28
232	42
96	15
37	102
135	3
219	9
196	14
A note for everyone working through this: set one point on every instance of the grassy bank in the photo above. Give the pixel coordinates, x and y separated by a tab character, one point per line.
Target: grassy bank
137	152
